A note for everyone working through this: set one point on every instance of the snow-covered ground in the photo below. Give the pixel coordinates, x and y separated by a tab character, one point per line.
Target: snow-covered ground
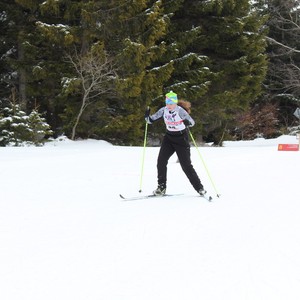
66	235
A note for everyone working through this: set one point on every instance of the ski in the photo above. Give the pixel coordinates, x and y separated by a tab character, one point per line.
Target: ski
147	196
205	196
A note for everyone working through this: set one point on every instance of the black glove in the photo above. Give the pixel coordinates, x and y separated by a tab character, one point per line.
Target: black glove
187	123
147	116
147	112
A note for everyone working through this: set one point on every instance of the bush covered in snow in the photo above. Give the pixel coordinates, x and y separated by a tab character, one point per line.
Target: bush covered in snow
17	128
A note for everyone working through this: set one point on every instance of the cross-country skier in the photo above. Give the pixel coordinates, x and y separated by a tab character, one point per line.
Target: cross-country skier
176	139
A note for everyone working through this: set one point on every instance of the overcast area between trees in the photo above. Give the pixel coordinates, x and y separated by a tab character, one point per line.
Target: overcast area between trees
89	69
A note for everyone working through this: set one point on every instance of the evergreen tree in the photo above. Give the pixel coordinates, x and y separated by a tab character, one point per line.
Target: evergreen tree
17	128
282	82
191	73
208	52
14	129
32	64
17	52
58	31
78	29
133	33
191	76
227	43
39	128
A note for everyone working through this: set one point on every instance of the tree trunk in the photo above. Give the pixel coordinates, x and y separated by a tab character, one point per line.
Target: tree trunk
22	75
82	108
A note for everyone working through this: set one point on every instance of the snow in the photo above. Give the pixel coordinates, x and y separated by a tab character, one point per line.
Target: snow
66	234
62	27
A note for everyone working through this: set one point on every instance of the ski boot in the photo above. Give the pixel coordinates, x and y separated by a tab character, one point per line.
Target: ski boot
202	192
160	191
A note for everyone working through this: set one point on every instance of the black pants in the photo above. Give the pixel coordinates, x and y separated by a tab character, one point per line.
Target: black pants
178	143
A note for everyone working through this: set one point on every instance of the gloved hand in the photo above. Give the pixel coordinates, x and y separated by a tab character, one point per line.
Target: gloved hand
147	112
187	123
147	116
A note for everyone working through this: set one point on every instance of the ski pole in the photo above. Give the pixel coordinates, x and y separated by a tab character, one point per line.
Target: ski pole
143	157
203	162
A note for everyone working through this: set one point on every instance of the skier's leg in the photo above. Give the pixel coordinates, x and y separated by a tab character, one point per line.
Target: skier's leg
184	156
166	151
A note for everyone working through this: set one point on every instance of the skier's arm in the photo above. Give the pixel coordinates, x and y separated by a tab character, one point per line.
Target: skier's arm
156	116
187	119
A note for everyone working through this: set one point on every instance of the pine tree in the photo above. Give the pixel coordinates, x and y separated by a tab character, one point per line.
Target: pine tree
134	34
32	63
227	45
131	34
58	31
14	129
190	78
39	128
202	50
19	24
282	83
17	128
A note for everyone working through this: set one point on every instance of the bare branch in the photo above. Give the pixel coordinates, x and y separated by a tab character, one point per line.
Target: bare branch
97	73
282	45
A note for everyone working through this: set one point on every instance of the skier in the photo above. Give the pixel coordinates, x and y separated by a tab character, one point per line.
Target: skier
176	119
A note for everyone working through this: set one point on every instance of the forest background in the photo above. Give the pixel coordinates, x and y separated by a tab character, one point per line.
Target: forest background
90	68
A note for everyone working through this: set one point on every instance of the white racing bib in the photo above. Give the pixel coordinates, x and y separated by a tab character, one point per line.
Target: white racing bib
172	120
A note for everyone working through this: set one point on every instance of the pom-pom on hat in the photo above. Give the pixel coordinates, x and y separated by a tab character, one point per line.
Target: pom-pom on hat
171	98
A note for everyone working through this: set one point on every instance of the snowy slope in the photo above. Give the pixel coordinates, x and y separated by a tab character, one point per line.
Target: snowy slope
66	235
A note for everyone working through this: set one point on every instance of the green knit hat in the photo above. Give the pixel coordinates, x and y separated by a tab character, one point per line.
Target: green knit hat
171	98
